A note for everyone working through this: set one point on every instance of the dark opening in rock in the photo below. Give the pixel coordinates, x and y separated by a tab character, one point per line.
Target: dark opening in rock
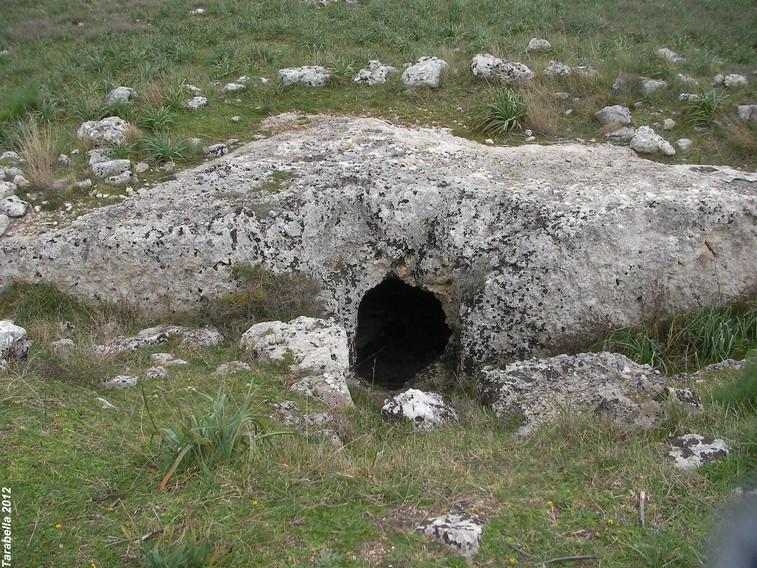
400	330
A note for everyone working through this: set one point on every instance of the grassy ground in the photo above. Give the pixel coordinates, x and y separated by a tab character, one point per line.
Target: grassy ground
86	479
64	56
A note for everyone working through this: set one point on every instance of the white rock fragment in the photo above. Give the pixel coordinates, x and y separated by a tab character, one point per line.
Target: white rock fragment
624	134
490	67
424	410
104	404
119	382
460	531
556	69
13	342
10	156
748	112
195	102
537	44
109	131
734	80
647	141
110	168
64	160
13	206
235	118
692	450
668	124
234	87
141	167
684	143
62	344
167	360
197	12
231	367
672	56
196	91
686	78
7	189
688	97
5	222
216	150
156	373
426	72
615	114
83	184
308	75
374	73
121	95
650	86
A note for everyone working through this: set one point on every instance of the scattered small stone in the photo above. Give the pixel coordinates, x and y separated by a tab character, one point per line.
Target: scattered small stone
623	134
169	166
309	75
60	184
692	450
109	131
197	12
615	114
156	373
231	367
65	160
167	360
236	118
232	141
718	80
734	80
193	338
586	71
460	531
649	86
13	206
684	143
62	344
748	112
216	150
537	44
666	53
192	89
686	78
233	87
555	69
66	326
425	410
490	67
489	141
121	95
258	137
195	103
688	97
119	382
75	152
120	180
141	167
668	124
104	404
426	72
647	141
83	184
109	168
530	139
562	95
375	73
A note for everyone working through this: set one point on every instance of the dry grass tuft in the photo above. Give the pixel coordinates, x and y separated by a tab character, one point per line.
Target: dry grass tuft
739	135
544	111
38	146
132	134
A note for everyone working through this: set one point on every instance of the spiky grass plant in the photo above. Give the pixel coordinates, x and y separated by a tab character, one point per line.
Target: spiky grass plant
155	118
38	146
701	111
222	435
162	147
502	114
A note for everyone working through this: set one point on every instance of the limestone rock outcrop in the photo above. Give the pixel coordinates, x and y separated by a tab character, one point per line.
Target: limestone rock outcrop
531	250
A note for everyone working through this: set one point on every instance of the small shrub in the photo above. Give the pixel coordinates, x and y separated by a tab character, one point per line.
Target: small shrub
219	436
701	111
38	146
503	113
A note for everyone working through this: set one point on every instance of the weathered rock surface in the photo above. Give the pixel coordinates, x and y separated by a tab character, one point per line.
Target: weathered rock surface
538	44
427	72
195	102
605	384
167	360
13	343
491	67
106	132
375	73
460	531
692	450
121	94
203	337
5	222
531	250
615	114
319	352
424	410
231	367
13	206
647	141
7	189
748	112
119	382
110	168
309	75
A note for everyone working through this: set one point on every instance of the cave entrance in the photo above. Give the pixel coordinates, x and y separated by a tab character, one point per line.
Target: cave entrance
400	330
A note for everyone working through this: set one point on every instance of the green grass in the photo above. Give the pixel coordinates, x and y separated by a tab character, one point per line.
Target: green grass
86	480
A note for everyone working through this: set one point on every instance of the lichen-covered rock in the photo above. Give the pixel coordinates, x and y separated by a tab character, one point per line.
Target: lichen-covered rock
748	112
7	189
647	141
375	73
615	114
490	67
537	44
427	72
231	367
108	168
119	382
14	206
692	450
605	384
216	150
202	337
109	131
424	410
530	250
13	343
156	373
195	102
309	75
167	360
670	55
460	531
121	95
319	352
556	69
734	80
233	87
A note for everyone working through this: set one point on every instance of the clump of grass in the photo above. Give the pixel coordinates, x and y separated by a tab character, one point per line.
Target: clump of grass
155	118
543	113
502	114
22	101
38	146
689	341
188	550
201	442
742	392
162	147
701	111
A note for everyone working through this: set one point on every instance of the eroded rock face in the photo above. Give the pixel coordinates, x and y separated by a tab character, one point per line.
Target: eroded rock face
424	410
532	251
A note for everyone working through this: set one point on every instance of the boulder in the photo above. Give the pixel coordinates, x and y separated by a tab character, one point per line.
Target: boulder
194	103
13	206
309	75
530	250
121	95
536	44
616	114
489	67
747	113
649	86
375	73
109	168
109	131
13	343
424	410
692	450
624	134
734	80
427	72
319	352
460	531
647	141
605	384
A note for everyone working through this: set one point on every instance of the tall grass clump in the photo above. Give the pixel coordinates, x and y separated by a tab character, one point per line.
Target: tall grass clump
502	114
38	145
189	550
162	147
201	442
690	341
742	392
701	111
